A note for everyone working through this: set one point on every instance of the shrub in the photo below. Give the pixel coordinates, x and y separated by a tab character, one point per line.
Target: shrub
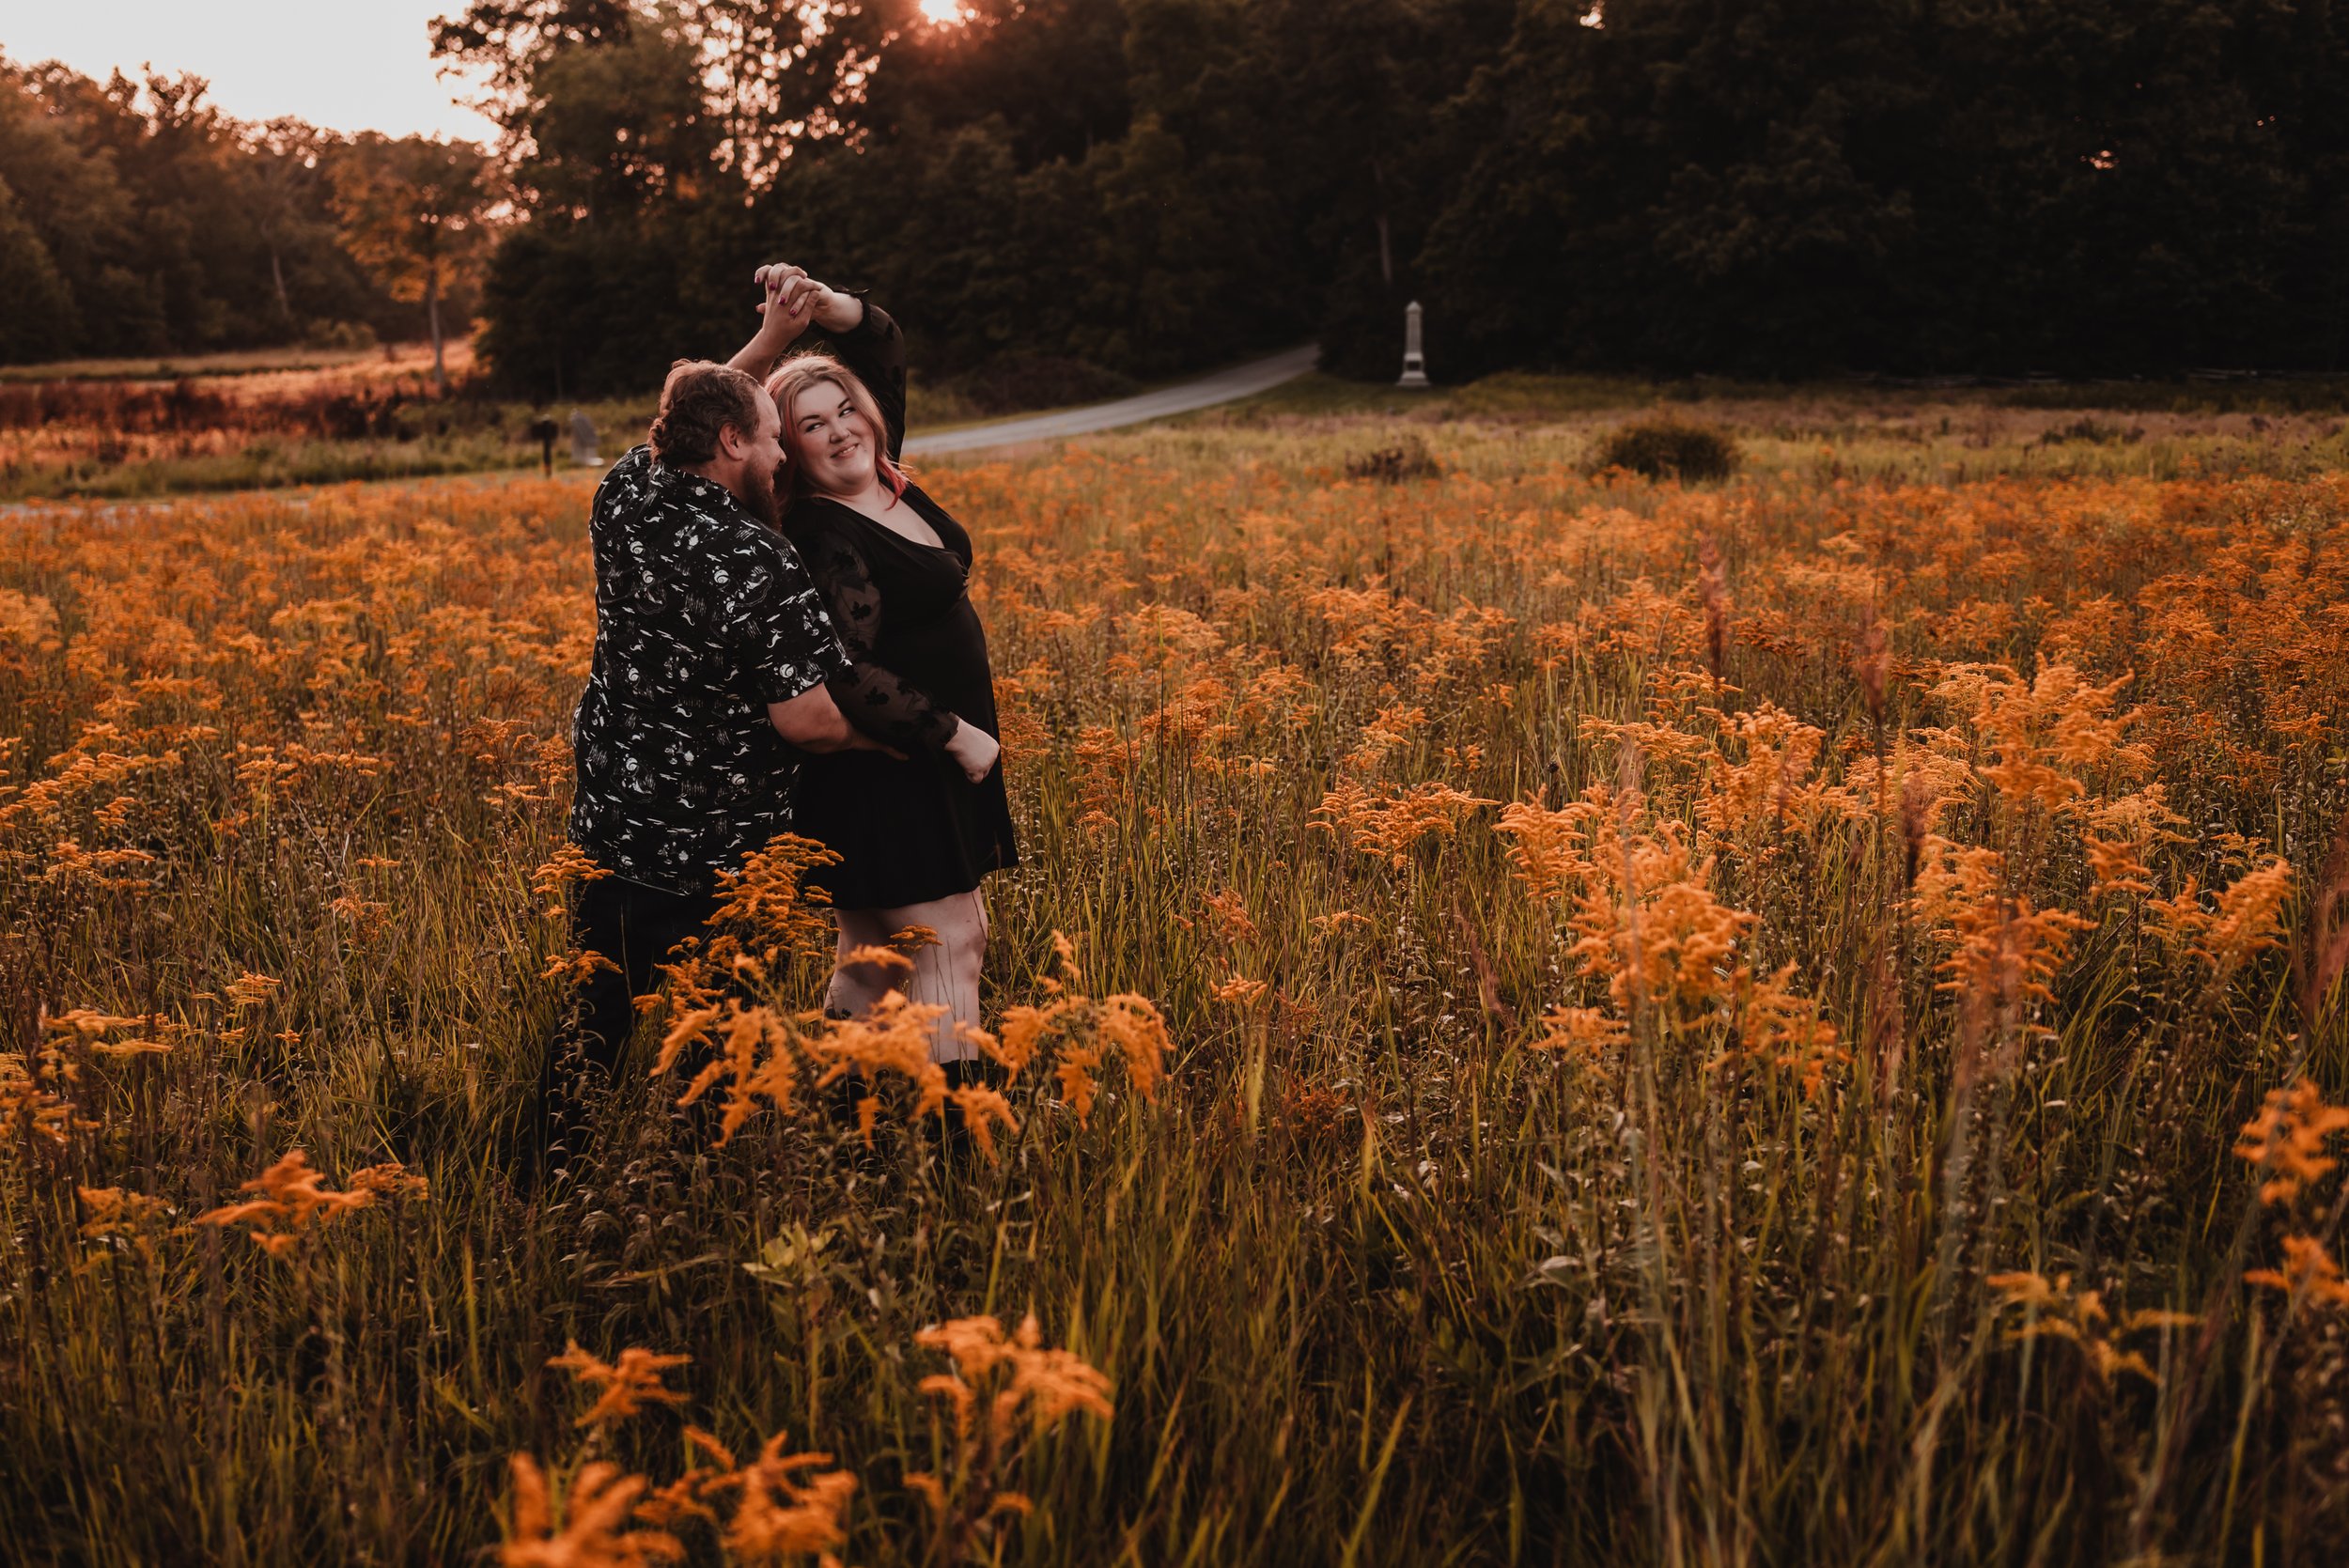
1669	449
323	333
1408	458
2087	429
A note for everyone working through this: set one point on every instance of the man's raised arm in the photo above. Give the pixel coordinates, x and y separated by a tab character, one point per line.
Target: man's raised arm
783	315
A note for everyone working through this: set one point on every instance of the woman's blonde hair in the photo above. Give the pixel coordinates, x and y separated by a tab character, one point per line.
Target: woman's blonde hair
802	371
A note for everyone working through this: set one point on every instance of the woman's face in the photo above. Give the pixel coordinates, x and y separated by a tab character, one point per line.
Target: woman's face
830	440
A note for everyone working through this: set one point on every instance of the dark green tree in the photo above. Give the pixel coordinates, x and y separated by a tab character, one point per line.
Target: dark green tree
1769	187
1774	187
40	321
171	226
71	196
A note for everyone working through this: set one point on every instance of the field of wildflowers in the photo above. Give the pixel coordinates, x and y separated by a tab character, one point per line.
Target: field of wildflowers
1555	1017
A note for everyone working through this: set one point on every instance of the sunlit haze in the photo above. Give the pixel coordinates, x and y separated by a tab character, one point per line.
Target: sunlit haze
943	11
350	64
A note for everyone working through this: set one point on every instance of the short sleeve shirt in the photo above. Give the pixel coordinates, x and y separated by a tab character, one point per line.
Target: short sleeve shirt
704	616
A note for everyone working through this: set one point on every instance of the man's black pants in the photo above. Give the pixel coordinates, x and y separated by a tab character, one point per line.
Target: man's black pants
634	927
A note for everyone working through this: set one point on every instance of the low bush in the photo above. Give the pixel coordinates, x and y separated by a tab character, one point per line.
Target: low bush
2092	432
1669	449
323	333
1408	458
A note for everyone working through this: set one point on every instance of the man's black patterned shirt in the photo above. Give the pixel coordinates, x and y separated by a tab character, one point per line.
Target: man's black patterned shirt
704	616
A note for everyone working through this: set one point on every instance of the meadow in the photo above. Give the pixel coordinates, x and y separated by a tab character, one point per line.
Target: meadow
1558	1017
138	431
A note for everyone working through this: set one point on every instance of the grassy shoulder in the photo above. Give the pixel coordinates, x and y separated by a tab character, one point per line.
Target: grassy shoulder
1532	394
1821	431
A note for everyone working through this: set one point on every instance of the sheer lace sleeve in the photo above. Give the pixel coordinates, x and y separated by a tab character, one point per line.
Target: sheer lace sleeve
872	698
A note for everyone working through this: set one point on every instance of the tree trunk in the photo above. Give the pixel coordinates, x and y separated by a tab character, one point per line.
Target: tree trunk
1386	242
277	277
432	313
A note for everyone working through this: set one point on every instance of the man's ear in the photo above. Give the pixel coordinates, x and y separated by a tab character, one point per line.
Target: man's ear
733	443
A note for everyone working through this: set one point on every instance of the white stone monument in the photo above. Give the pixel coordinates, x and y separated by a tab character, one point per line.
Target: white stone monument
583	442
1414	363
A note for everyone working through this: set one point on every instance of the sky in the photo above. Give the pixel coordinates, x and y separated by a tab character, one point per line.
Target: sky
347	64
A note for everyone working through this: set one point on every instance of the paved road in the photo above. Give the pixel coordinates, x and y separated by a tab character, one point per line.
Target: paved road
1224	386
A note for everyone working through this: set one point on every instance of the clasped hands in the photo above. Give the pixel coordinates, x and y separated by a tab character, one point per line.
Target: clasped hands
795	301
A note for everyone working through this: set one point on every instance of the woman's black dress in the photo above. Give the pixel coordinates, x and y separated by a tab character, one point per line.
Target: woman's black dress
909	832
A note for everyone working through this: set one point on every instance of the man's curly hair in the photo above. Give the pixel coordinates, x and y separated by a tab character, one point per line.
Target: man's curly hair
698	400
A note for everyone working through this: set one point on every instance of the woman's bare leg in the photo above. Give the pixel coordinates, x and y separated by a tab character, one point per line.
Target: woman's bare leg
945	973
856	987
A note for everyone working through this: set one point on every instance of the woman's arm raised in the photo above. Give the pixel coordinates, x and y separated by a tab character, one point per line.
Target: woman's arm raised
867	341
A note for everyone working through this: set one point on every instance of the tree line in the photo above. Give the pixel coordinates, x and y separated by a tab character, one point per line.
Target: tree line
1761	187
137	218
1141	185
1774	187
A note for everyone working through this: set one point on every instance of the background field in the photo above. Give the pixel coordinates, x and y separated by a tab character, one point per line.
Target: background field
133	428
1711	1023
136	430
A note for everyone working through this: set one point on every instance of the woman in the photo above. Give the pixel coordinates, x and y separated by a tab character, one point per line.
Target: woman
916	832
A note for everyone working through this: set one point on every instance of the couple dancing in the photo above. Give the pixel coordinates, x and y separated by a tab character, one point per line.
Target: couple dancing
785	643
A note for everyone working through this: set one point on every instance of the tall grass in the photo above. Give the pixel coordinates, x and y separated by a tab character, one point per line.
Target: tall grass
1711	1025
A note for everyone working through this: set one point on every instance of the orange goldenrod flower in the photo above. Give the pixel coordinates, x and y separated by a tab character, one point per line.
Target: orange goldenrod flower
588	1525
568	864
627	1385
576	966
2248	918
117	1211
249	990
2308	1276
1041	1387
2056	1311
294	1200
2287	1139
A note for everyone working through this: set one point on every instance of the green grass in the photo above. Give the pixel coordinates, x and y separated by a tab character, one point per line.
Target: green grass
1542	396
1822	433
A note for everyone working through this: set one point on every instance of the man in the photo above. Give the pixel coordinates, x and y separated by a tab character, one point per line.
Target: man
711	652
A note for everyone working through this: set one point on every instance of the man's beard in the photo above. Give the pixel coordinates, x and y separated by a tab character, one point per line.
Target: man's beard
758	497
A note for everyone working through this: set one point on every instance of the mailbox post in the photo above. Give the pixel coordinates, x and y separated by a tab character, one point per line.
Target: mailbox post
543	431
